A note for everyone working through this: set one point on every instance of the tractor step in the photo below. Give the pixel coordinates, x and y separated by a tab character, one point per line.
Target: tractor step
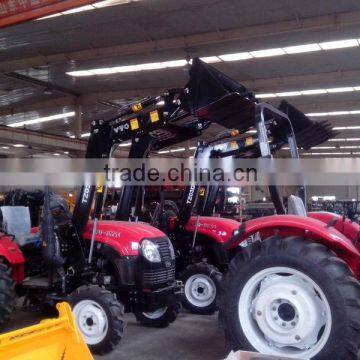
36	282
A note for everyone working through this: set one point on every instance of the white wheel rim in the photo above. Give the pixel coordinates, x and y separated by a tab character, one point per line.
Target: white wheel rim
91	320
282	312
200	290
158	313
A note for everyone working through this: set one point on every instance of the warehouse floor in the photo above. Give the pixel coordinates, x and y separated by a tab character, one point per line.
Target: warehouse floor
191	337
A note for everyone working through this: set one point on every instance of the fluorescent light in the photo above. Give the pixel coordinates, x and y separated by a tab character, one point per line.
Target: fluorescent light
78	9
102	71
339	44
236	56
345	139
338	113
94	6
346	128
313	92
163	152
192	147
80	73
175	63
5	147
309	92
129	68
326	153
334	113
82	135
297	49
317	114
50	16
289	93
265	96
43	119
19	145
56	154
151	66
340	89
350	147
210	59
66	152
125	144
323	147
267	52
177	150
251	131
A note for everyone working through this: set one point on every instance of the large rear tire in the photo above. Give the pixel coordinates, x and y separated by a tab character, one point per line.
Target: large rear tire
201	286
291	297
99	317
7	294
159	318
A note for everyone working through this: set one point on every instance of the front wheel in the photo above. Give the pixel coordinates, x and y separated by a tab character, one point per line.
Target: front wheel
159	318
99	316
291	297
7	294
201	285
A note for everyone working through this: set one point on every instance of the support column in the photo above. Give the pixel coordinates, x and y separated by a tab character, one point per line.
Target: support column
78	120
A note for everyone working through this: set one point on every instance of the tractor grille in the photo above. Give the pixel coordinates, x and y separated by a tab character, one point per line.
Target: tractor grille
164	249
165	271
157	277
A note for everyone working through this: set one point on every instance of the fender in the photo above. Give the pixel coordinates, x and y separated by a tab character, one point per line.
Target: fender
347	227
11	252
122	236
306	227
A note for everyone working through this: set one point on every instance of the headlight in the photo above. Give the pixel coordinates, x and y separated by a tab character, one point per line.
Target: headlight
150	251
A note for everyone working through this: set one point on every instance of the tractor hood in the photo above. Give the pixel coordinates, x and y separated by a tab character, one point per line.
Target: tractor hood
216	228
122	236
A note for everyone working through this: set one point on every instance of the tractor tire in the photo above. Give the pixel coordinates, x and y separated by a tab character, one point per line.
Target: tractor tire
99	317
7	294
201	286
291	297
159	318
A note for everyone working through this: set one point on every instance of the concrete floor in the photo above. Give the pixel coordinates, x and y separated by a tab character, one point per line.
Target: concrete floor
190	337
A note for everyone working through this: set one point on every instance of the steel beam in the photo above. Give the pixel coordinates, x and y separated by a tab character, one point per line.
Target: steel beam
41	140
78	121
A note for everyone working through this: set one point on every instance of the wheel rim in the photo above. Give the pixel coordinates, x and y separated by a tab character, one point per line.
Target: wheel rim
200	290
91	320
282	311
158	313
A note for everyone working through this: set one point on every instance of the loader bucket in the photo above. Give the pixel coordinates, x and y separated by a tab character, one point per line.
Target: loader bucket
215	97
49	340
308	133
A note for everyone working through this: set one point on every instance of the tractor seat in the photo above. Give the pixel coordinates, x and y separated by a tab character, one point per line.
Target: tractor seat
16	222
296	206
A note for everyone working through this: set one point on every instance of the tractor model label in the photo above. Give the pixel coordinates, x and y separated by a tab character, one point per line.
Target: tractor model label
191	194
86	194
108	233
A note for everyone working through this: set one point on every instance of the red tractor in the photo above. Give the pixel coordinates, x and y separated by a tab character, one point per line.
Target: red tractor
291	281
102	268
